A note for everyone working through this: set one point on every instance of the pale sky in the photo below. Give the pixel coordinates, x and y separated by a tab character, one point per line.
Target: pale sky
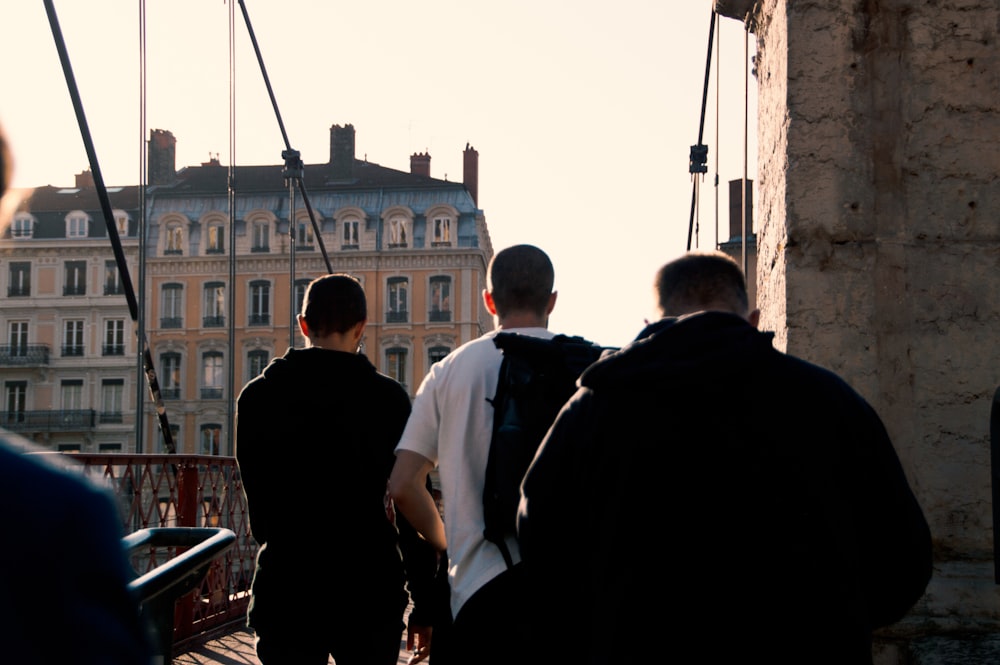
583	112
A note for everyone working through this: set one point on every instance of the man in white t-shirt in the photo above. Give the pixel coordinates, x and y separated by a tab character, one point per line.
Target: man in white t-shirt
450	427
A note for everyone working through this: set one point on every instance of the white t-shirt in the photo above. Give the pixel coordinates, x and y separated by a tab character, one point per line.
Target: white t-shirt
451	425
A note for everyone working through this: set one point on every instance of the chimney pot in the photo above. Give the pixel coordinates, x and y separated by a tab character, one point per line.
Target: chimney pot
420	164
342	151
85	179
162	156
470	172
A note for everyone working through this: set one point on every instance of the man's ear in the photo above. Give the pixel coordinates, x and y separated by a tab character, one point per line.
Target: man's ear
488	301
754	318
552	303
303	326
358	330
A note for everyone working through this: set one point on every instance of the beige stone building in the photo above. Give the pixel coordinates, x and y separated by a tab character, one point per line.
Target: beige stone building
879	257
220	285
67	357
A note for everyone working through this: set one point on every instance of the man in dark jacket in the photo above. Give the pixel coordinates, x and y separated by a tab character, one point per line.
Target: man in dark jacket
706	492
330	579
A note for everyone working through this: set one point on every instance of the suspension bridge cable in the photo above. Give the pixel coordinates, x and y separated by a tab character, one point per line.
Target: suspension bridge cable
141	228
294	169
746	115
231	192
116	243
697	163
718	111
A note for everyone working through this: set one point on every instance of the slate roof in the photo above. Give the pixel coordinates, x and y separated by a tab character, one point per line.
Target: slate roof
213	178
50	204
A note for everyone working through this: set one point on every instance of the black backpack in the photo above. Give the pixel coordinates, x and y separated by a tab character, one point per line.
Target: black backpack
537	377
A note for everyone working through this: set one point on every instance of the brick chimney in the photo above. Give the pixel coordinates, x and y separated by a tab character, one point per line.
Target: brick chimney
85	179
342	151
162	157
470	172
420	164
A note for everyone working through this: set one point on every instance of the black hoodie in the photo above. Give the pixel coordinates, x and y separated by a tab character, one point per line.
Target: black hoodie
315	442
702	486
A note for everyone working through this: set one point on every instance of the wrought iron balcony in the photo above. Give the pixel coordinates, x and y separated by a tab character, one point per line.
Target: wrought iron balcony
171	322
24	355
114	349
214	322
259	320
48	421
111	417
439	315
396	317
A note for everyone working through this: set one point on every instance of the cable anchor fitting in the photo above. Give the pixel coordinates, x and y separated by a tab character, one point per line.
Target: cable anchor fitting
294	169
698	162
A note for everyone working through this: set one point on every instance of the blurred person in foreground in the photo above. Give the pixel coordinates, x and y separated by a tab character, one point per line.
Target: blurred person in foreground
703	488
64	569
315	438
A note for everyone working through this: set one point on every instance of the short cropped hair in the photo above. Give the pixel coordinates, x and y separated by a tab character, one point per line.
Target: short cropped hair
334	303
701	280
520	279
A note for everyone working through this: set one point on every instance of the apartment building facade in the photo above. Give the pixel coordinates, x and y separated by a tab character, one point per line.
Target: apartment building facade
223	274
68	350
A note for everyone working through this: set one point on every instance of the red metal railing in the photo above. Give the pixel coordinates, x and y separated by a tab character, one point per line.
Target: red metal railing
185	491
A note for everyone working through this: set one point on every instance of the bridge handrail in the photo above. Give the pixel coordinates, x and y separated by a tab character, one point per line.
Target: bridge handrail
159	589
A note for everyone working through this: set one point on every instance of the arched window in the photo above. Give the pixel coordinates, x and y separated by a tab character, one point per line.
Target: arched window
300	293
112	395
214	314
173	242
170	375
213	375
397	290
440	298
261	241
77	224
441	232
211	437
350	237
304	235
398	231
395	363
22	226
260	303
436	353
257	360
172	306
215	238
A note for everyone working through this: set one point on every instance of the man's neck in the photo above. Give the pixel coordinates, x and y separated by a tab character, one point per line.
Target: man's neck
334	342
519	320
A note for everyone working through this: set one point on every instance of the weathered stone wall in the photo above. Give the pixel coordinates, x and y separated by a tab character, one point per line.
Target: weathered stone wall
879	251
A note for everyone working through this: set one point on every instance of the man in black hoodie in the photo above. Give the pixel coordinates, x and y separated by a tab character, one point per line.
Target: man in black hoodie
330	579
703	492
